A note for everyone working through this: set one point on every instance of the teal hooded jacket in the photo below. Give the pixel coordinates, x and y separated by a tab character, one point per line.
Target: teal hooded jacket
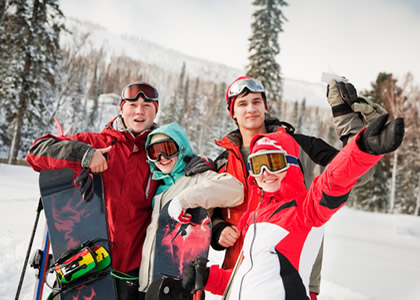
179	135
208	189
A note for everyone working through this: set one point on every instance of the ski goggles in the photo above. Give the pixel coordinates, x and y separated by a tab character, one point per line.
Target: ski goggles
273	161
251	84
168	148
132	92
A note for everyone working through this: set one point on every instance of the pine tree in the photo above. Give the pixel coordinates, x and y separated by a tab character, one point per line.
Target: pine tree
96	88
296	115
374	195
185	113
408	175
302	111
172	112
195	115
397	174
264	47
29	55
72	78
2	10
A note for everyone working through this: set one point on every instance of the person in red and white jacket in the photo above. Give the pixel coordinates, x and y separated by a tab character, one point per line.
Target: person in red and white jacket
283	234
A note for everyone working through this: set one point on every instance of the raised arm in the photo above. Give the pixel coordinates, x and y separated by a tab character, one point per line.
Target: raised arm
330	190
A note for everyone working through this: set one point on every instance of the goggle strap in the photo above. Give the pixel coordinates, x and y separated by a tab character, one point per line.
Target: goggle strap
292	160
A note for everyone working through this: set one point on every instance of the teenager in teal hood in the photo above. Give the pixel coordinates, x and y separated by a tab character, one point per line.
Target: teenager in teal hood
179	136
166	148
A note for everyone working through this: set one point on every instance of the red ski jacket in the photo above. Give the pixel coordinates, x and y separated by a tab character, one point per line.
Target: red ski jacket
284	233
314	151
128	187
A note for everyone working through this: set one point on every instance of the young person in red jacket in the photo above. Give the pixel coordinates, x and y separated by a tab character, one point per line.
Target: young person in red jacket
128	187
247	105
282	235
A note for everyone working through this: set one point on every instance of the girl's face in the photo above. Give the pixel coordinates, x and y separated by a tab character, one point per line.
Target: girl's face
270	182
166	165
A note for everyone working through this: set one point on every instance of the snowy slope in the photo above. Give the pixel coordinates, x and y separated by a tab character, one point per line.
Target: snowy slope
171	60
367	255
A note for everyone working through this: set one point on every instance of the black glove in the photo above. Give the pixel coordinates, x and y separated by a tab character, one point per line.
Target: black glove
85	180
381	138
167	287
195	275
197	164
367	109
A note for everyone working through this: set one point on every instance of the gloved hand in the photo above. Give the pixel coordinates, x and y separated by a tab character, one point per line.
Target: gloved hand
347	122
195	275
85	179
381	138
367	109
177	213
197	164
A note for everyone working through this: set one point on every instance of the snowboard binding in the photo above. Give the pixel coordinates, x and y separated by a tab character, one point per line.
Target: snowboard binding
80	265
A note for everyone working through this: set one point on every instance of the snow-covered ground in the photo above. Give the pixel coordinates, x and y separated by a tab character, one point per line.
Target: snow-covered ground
367	255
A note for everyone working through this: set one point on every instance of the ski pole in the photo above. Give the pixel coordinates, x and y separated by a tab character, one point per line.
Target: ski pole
28	252
199	264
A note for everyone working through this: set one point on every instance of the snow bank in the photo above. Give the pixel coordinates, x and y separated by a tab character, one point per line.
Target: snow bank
366	256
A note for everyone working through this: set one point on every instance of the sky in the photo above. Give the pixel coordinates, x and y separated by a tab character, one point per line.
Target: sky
367	256
356	39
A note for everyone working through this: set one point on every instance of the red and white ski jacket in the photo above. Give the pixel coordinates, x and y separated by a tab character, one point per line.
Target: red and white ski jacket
128	187
314	151
284	233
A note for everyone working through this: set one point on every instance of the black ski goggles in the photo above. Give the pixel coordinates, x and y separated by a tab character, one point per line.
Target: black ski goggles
132	92
168	148
253	85
273	161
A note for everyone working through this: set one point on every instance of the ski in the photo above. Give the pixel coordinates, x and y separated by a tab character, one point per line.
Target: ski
40	262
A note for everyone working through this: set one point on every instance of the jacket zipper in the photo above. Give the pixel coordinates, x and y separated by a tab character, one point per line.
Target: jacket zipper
244	169
252	243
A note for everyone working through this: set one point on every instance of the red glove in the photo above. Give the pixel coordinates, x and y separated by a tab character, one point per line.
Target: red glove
313	295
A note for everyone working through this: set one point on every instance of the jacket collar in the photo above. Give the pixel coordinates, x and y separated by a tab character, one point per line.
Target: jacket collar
116	128
234	138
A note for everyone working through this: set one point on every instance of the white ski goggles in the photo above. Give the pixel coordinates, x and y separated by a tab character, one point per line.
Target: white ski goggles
273	161
251	84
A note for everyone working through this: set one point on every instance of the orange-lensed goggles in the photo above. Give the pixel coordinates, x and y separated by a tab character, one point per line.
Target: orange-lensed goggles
132	92
274	161
168	148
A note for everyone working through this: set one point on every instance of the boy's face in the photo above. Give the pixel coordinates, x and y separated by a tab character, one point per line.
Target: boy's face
270	182
249	111
138	115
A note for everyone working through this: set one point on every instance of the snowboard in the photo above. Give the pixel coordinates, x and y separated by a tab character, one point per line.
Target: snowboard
71	221
178	244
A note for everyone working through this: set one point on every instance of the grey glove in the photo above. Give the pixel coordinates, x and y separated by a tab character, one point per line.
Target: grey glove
347	122
367	109
381	138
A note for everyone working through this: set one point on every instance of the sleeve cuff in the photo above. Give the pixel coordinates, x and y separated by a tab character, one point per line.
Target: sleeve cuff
216	231
87	157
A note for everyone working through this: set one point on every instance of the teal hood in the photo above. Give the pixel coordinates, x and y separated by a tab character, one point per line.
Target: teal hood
178	134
